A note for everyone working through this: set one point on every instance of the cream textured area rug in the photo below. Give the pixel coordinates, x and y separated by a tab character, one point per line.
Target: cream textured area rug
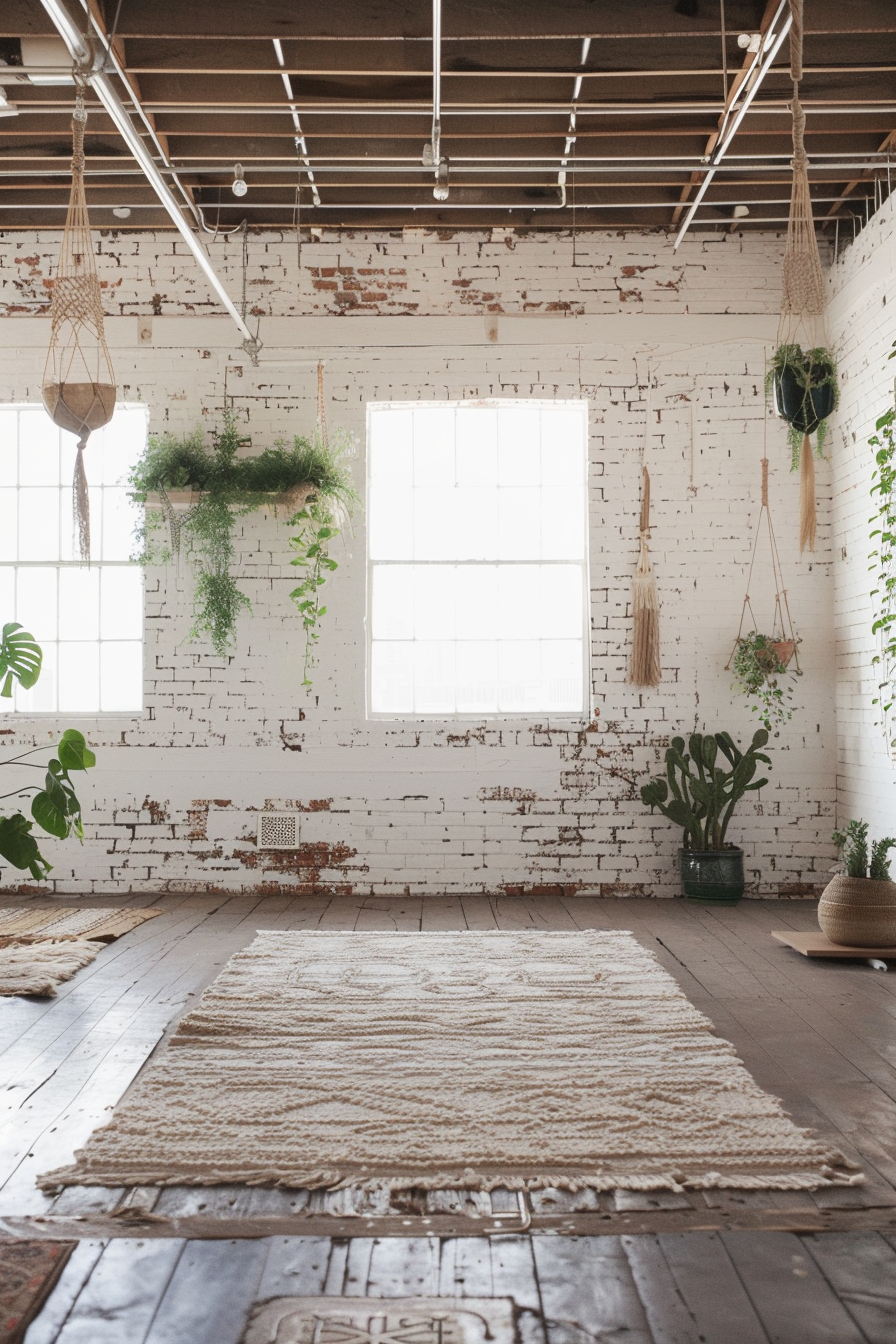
446	1061
70	921
38	967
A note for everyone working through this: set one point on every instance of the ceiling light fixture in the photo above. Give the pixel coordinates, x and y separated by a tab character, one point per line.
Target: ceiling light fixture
741	211
239	186
440	190
749	41
122	211
7	109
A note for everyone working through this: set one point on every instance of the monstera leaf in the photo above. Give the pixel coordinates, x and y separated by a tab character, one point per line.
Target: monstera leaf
20	658
19	847
74	753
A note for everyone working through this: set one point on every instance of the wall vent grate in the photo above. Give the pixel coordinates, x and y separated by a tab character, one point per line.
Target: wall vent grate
278	830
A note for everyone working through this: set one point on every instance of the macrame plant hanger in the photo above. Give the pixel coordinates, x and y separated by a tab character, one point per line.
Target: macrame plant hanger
803	299
782	625
78	387
645	660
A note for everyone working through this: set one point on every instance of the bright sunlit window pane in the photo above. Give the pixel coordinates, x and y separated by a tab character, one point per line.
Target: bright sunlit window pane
87	619
478	558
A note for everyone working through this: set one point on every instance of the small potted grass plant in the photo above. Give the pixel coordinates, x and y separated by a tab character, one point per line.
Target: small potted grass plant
858	907
700	790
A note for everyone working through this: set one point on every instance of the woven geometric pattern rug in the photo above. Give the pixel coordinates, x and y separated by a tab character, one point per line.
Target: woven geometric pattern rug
28	1271
448	1061
70	921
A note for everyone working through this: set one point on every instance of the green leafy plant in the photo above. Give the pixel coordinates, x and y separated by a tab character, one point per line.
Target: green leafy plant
55	806
699	793
883	560
853	842
766	681
309	481
812	378
20	658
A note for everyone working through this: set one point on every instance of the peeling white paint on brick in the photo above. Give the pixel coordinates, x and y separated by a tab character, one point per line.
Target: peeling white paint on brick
429	807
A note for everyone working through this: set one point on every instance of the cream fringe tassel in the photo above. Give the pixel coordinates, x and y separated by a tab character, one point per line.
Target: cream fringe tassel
807	497
645	664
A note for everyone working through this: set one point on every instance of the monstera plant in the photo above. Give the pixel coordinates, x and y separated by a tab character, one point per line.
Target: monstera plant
54	806
700	790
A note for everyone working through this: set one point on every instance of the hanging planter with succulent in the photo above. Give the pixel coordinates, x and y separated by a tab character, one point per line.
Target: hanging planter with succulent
200	494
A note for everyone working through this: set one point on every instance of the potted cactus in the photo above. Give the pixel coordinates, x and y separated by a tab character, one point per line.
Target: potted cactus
699	793
858	907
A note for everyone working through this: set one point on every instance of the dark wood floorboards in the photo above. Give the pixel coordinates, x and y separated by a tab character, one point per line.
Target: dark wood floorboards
735	1267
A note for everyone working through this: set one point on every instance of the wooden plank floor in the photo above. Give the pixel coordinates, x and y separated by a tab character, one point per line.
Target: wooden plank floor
819	1035
685	1288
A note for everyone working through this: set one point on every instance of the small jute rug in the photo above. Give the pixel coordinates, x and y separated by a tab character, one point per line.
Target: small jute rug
70	921
42	946
449	1061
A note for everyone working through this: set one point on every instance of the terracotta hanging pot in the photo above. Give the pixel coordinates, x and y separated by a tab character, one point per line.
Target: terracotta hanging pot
784	648
858	912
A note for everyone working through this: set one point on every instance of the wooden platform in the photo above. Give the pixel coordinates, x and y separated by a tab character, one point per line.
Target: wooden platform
815	944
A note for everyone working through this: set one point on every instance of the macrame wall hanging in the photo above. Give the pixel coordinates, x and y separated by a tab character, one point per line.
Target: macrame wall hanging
645	660
803	372
78	384
321	425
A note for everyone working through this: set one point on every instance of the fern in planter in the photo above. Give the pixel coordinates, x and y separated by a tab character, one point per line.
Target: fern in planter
308	481
760	661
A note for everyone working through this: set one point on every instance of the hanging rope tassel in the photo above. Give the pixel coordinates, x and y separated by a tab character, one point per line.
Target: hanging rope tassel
81	502
807	497
645	663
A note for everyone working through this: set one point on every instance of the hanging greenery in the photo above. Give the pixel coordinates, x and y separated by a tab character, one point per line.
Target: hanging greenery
883	531
308	482
806	392
759	664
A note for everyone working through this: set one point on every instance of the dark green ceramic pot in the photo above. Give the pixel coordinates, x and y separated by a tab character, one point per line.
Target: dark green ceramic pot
712	874
804	407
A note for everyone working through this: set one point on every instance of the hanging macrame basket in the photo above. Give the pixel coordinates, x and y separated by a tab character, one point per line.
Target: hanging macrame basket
803	375
78	385
780	649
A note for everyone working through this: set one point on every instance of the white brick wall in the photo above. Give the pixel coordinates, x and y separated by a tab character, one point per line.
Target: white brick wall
862	314
432	806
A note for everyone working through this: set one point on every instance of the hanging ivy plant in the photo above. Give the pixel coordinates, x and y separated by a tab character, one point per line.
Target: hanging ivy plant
806	392
309	482
883	530
760	664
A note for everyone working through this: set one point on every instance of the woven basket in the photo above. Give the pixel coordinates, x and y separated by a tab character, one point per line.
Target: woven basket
859	912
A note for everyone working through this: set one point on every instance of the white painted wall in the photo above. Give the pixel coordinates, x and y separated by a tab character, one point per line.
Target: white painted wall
427	806
862	315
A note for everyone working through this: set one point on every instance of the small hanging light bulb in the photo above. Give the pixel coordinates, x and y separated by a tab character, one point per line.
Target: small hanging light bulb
239	186
440	190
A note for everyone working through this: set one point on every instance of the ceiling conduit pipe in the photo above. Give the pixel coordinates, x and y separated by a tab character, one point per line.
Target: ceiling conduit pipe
432	151
765	57
83	56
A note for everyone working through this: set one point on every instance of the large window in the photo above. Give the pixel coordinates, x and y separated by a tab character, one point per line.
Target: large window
87	618
478	558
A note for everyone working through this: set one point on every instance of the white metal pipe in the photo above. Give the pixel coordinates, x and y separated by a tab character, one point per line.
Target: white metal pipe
107	95
752	85
436	81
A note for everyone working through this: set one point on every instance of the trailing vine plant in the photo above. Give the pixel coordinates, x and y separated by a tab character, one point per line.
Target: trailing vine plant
309	482
766	681
883	562
810	371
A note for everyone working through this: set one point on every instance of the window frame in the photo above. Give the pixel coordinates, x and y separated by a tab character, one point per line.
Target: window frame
13	715
567	716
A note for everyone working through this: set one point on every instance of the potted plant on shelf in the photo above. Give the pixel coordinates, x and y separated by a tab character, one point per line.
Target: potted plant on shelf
858	907
699	794
806	393
201	494
760	661
54	806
